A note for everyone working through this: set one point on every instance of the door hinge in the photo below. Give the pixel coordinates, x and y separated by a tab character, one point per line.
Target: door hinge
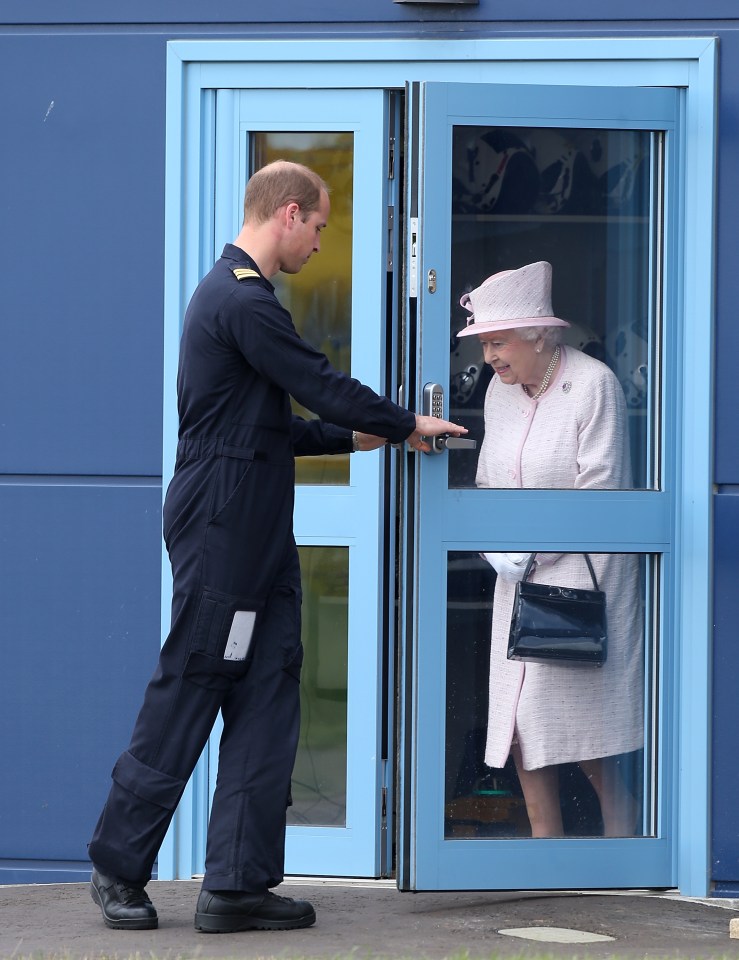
391	158
384	802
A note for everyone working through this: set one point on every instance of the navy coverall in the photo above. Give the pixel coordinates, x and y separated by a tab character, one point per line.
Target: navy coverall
234	643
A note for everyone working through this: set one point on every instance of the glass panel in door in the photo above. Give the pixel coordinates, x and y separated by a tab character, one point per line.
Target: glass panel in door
320	298
582	200
548	748
319	778
551	770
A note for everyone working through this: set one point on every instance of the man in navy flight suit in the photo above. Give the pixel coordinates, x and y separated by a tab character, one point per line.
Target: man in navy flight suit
234	643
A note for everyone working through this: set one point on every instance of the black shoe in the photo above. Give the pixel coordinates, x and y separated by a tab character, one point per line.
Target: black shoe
216	913
124	905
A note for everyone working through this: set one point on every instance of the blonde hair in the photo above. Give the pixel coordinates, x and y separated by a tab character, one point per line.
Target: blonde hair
279	183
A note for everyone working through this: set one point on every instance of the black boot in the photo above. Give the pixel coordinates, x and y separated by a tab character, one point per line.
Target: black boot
125	906
229	911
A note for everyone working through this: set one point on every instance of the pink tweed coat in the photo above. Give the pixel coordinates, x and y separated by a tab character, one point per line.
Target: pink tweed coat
574	436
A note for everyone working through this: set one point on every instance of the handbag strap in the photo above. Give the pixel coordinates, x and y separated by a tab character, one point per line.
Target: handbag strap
530	564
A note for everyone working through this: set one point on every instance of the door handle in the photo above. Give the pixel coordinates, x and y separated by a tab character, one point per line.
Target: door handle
432	405
458	443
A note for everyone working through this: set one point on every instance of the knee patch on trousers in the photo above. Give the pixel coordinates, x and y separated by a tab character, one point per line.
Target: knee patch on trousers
147	783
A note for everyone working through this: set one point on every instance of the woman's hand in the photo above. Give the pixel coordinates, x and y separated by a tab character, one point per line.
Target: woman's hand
508	566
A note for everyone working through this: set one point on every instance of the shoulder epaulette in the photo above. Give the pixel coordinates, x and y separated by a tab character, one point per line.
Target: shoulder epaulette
244	273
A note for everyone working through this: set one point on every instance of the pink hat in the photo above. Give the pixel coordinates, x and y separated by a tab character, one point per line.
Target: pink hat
513	298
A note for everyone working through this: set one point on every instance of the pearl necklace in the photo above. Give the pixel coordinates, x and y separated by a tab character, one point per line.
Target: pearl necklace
547	376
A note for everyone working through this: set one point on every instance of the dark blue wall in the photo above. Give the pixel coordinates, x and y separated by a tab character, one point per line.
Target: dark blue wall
725	713
374	14
81	255
81	248
725	783
80	633
81	289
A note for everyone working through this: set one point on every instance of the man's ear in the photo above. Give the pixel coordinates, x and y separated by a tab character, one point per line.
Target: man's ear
292	212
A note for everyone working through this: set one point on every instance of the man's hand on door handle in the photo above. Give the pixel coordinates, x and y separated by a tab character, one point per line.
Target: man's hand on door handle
431	427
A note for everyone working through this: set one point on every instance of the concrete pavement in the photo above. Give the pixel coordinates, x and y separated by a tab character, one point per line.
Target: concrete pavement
372	919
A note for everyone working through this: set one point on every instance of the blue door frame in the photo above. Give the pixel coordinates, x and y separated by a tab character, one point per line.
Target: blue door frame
196	67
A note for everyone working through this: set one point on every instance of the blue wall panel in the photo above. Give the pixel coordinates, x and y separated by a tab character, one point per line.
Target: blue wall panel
727	277
81	254
82	94
80	625
354	11
725	847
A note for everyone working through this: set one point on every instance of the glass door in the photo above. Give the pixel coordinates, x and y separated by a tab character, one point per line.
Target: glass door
338	304
541	774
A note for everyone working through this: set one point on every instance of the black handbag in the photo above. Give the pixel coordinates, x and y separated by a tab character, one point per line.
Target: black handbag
558	623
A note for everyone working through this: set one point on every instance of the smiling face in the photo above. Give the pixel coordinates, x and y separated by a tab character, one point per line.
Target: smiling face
513	359
302	236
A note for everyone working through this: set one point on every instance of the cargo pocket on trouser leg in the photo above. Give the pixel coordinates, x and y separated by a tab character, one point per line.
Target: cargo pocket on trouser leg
292	646
221	646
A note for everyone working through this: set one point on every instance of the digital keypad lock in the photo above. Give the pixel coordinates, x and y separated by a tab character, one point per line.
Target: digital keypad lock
432	404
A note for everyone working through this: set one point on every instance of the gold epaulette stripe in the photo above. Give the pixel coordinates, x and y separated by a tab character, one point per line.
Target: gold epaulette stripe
242	273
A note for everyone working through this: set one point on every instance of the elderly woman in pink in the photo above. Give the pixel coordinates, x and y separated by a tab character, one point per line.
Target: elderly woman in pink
556	418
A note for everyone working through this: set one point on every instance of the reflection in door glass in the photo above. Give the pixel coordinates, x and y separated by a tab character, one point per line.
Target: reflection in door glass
553	748
320	296
587	202
319	777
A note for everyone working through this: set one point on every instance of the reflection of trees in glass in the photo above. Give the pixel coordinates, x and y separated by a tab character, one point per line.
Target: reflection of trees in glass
320	296
319	778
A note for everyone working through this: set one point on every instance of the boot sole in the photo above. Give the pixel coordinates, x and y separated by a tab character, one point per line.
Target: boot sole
207	923
146	923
